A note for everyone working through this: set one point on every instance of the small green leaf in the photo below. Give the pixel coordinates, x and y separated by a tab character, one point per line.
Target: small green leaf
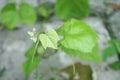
10	19
116	44
46	9
30	65
42	10
115	65
29	52
49	39
108	52
27	13
9	7
40	50
67	9
77	36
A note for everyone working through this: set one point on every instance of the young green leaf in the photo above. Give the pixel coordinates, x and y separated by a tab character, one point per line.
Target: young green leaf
27	13
115	65
67	9
30	65
10	19
49	39
77	36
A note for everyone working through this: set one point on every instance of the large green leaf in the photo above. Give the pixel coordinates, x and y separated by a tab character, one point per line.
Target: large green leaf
78	40
9	7
30	65
67	9
9	19
77	36
49	39
115	65
27	13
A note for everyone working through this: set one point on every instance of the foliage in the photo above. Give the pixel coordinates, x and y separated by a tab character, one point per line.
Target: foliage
115	65
27	13
30	65
112	50
10	16
49	39
67	9
45	10
10	19
79	40
109	51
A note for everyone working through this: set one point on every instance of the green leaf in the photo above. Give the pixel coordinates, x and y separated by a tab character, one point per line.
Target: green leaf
91	56
115	44
30	65
42	10
67	9
40	50
27	13
108	52
9	19
77	36
29	52
46	9
115	65
49	39
9	7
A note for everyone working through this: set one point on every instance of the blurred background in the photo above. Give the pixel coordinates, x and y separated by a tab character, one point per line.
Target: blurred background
15	41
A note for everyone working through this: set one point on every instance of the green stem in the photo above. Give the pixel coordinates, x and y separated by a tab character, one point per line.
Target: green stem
74	71
36	45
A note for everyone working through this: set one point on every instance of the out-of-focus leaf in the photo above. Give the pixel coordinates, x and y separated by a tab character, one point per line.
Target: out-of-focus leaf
42	10
10	19
27	13
84	72
46	9
108	52
9	7
67	9
115	65
29	52
115	43
2	71
30	65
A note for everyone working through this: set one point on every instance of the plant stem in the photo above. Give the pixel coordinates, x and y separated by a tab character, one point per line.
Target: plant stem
74	71
36	46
